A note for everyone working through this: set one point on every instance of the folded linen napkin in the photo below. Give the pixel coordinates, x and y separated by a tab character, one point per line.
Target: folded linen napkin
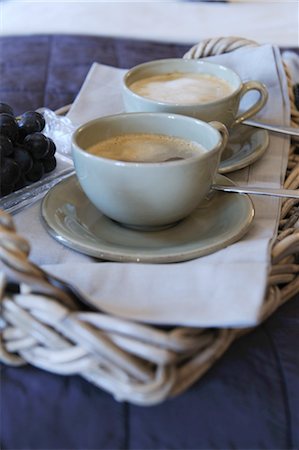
223	289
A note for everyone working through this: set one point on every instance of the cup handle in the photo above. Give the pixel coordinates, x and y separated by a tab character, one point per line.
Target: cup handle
224	134
257	106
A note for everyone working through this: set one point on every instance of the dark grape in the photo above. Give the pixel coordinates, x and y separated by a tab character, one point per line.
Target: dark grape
26	154
52	148
37	144
5	108
30	122
36	171
9	127
49	163
20	183
9	172
6	189
6	146
40	118
23	158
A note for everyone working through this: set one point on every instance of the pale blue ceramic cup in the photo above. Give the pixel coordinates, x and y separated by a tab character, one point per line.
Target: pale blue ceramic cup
147	195
224	109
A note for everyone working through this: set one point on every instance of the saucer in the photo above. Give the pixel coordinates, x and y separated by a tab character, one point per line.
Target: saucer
219	221
245	145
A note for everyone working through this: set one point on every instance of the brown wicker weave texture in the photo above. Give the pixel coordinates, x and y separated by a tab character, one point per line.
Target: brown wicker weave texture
43	326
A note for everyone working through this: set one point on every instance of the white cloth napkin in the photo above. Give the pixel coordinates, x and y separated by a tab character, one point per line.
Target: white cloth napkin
223	289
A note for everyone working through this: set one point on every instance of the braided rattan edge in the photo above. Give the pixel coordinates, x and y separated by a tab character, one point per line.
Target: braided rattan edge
43	326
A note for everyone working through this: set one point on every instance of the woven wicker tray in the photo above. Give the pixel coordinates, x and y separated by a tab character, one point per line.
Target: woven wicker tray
44	324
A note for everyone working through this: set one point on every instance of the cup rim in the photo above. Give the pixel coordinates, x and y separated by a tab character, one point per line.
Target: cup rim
180	105
202	156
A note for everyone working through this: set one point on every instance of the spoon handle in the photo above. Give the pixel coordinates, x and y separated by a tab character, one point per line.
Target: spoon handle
290	193
290	131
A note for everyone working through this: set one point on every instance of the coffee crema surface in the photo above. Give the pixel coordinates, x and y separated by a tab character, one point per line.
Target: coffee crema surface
182	88
146	148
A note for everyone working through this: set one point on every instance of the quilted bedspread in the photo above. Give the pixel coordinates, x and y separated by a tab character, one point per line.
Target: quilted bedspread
248	400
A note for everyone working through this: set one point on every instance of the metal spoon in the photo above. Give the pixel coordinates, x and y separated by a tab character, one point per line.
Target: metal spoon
274	192
290	131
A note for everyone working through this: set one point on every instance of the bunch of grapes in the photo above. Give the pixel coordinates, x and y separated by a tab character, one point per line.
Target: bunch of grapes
26	154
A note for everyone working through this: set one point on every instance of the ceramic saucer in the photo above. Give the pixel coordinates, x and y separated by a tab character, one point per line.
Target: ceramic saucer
245	146
219	221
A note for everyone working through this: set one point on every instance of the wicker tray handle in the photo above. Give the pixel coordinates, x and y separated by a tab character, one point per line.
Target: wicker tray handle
43	324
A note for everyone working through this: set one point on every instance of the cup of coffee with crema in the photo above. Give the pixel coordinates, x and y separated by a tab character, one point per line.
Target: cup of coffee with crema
147	170
191	87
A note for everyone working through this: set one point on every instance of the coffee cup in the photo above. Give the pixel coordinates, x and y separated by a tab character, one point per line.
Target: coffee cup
147	170
195	88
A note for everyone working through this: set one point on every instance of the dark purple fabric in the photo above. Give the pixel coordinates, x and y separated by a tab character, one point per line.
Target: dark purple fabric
49	70
250	397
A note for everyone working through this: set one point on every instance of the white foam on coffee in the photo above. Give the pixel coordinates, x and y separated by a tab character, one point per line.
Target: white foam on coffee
142	147
182	88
